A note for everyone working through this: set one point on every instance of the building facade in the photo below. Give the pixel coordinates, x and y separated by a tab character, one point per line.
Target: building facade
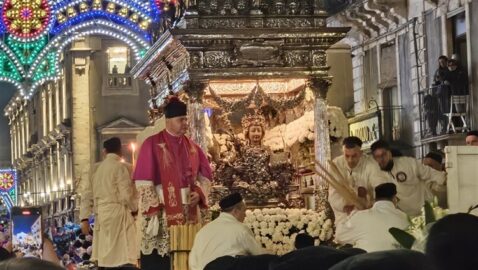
57	134
395	46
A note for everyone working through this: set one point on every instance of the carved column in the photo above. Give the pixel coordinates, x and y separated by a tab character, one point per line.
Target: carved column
197	125
21	127
319	87
56	90
50	108
53	173
19	137
44	122
27	128
59	168
13	136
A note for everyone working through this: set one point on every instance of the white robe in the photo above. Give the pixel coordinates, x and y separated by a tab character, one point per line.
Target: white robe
368	229
366	174
111	196
224	236
414	182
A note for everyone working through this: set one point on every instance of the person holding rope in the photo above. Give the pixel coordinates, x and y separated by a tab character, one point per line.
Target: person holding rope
359	173
415	182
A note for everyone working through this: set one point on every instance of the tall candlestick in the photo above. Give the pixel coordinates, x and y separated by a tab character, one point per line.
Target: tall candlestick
133	149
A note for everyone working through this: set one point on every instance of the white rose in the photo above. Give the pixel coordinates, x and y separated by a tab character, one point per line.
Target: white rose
300	225
329	235
263	224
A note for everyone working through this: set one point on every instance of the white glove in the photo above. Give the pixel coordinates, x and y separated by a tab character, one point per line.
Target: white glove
153	226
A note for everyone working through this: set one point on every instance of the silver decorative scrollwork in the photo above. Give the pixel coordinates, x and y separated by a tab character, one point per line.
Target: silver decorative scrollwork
217	59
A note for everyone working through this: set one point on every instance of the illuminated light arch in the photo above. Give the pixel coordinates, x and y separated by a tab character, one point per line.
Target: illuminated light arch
30	47
91	27
137	50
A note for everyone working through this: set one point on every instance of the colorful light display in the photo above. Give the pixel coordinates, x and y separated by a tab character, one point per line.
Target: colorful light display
8	187
26	18
35	32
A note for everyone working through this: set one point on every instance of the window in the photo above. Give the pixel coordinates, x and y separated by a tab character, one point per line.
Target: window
434	42
391	113
118	60
370	75
459	39
117	79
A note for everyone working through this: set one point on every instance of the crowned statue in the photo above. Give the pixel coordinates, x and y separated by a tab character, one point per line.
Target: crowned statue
251	172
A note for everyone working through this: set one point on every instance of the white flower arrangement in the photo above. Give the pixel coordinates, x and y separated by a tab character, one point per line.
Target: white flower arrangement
276	228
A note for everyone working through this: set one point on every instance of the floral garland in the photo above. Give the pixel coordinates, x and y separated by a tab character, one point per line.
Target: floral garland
232	105
283	104
276	228
258	95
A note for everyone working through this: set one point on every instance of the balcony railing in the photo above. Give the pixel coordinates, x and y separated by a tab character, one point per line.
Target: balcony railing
119	81
434	109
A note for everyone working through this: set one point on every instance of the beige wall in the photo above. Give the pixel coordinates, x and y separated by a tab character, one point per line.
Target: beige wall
341	92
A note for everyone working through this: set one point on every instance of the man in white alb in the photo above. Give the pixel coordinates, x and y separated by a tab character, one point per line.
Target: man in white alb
415	182
227	243
368	229
361	173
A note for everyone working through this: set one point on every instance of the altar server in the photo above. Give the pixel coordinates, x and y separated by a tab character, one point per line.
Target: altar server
218	244
368	229
414	181
171	175
361	174
110	195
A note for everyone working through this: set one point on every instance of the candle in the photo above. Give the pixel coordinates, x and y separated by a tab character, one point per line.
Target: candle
133	149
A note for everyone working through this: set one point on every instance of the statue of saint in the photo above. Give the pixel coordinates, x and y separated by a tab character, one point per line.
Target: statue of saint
254	129
251	172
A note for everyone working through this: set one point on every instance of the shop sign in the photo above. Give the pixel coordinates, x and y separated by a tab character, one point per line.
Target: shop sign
366	127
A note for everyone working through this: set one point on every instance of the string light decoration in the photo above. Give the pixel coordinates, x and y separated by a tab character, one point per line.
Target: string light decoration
8	187
34	33
26	18
26	51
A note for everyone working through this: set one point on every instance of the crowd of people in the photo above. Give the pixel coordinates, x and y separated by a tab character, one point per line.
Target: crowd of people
450	79
170	184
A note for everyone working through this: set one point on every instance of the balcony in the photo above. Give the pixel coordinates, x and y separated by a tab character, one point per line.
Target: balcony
119	84
434	109
119	81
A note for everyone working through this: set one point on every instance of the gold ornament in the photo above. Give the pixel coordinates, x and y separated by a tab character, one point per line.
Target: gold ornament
83	7
61	18
110	7
97	5
134	17
256	119
71	12
144	25
123	12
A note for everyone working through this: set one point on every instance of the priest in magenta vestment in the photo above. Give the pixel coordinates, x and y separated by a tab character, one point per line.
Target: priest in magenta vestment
169	174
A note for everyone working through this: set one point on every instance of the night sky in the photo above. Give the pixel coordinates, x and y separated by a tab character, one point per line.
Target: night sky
6	93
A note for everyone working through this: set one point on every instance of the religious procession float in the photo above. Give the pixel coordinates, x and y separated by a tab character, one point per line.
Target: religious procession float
255	77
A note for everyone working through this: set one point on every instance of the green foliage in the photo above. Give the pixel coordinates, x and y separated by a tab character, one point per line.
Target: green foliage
429	214
405	239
